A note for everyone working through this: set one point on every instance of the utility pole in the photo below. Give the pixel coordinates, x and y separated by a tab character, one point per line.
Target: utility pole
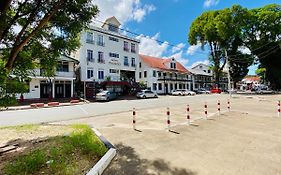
228	73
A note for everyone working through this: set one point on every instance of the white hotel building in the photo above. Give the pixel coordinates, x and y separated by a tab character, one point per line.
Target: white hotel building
106	56
163	75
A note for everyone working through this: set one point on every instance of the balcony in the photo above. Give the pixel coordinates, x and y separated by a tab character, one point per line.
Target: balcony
100	43
90	41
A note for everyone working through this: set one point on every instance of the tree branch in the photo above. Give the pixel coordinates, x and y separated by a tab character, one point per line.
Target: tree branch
17	48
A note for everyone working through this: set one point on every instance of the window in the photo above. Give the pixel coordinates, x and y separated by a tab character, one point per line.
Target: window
176	86
126	46
90	55
133	62
133	47
90	73
115	55
112	28
100	74
90	37
113	39
139	64
154	73
159	86
171	86
139	74
113	71
173	65
154	86
209	71
180	86
126	61
63	67
100	41
145	74
159	74
100	57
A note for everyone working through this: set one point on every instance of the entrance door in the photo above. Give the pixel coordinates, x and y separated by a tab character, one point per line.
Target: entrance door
45	90
166	88
59	88
67	90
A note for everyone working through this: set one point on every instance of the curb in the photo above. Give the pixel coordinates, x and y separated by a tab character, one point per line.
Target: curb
103	163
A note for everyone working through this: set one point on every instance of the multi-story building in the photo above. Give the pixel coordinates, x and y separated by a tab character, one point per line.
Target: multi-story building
201	76
163	75
59	86
107	57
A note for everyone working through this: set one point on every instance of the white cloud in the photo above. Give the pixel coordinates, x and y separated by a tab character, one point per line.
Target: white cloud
199	62
123	10
209	3
179	57
178	47
245	50
149	45
192	49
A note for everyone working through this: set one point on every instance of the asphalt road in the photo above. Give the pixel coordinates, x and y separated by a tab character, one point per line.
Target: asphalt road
32	116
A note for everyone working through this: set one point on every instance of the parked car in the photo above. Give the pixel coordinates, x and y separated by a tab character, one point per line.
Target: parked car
188	92
215	91
106	96
178	92
146	94
203	91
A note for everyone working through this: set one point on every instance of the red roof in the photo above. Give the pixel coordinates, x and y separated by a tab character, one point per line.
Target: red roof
252	78
160	63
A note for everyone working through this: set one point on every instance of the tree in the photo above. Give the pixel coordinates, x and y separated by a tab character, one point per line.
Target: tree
34	33
261	72
262	35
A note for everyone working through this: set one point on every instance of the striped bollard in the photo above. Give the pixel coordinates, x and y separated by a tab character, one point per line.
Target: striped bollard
168	118
188	115
206	112
228	105
134	118
278	108
219	107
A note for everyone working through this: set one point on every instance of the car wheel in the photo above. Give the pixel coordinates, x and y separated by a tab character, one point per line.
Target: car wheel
155	96
189	94
144	96
107	99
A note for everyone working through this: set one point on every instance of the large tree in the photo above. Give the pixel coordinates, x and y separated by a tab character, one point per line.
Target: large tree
34	33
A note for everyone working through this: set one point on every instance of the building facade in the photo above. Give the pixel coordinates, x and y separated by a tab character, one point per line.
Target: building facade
163	75
201	77
59	86
107	57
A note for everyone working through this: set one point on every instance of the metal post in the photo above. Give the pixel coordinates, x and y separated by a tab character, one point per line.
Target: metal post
168	118
188	114
134	118
206	112
219	107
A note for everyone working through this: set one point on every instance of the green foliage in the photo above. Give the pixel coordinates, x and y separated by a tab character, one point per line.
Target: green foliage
48	29
228	29
60	155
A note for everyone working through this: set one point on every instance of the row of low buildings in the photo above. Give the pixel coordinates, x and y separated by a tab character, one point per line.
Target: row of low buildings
110	60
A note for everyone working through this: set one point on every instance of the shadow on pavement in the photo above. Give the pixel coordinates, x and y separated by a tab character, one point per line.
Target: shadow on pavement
128	162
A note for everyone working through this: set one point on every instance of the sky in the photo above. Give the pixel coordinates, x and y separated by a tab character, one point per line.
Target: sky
167	21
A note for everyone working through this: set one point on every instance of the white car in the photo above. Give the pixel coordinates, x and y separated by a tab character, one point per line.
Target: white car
188	92
177	92
146	94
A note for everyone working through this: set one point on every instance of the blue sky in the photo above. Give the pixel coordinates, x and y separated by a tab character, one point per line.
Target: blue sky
169	21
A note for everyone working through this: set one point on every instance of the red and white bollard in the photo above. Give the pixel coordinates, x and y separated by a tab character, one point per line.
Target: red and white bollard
228	105
219	107
206	112
278	108
168	118
188	114
134	118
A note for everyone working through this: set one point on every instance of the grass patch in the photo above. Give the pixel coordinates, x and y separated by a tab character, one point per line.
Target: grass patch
73	154
27	127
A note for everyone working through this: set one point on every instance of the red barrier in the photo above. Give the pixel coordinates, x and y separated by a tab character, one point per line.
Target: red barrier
188	114
206	112
168	118
74	101
134	118
53	104
219	107
37	105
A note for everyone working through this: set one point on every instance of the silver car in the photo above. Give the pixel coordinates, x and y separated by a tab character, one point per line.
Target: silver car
146	94
105	96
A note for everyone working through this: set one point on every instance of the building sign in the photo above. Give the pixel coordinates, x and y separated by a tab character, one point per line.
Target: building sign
114	61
